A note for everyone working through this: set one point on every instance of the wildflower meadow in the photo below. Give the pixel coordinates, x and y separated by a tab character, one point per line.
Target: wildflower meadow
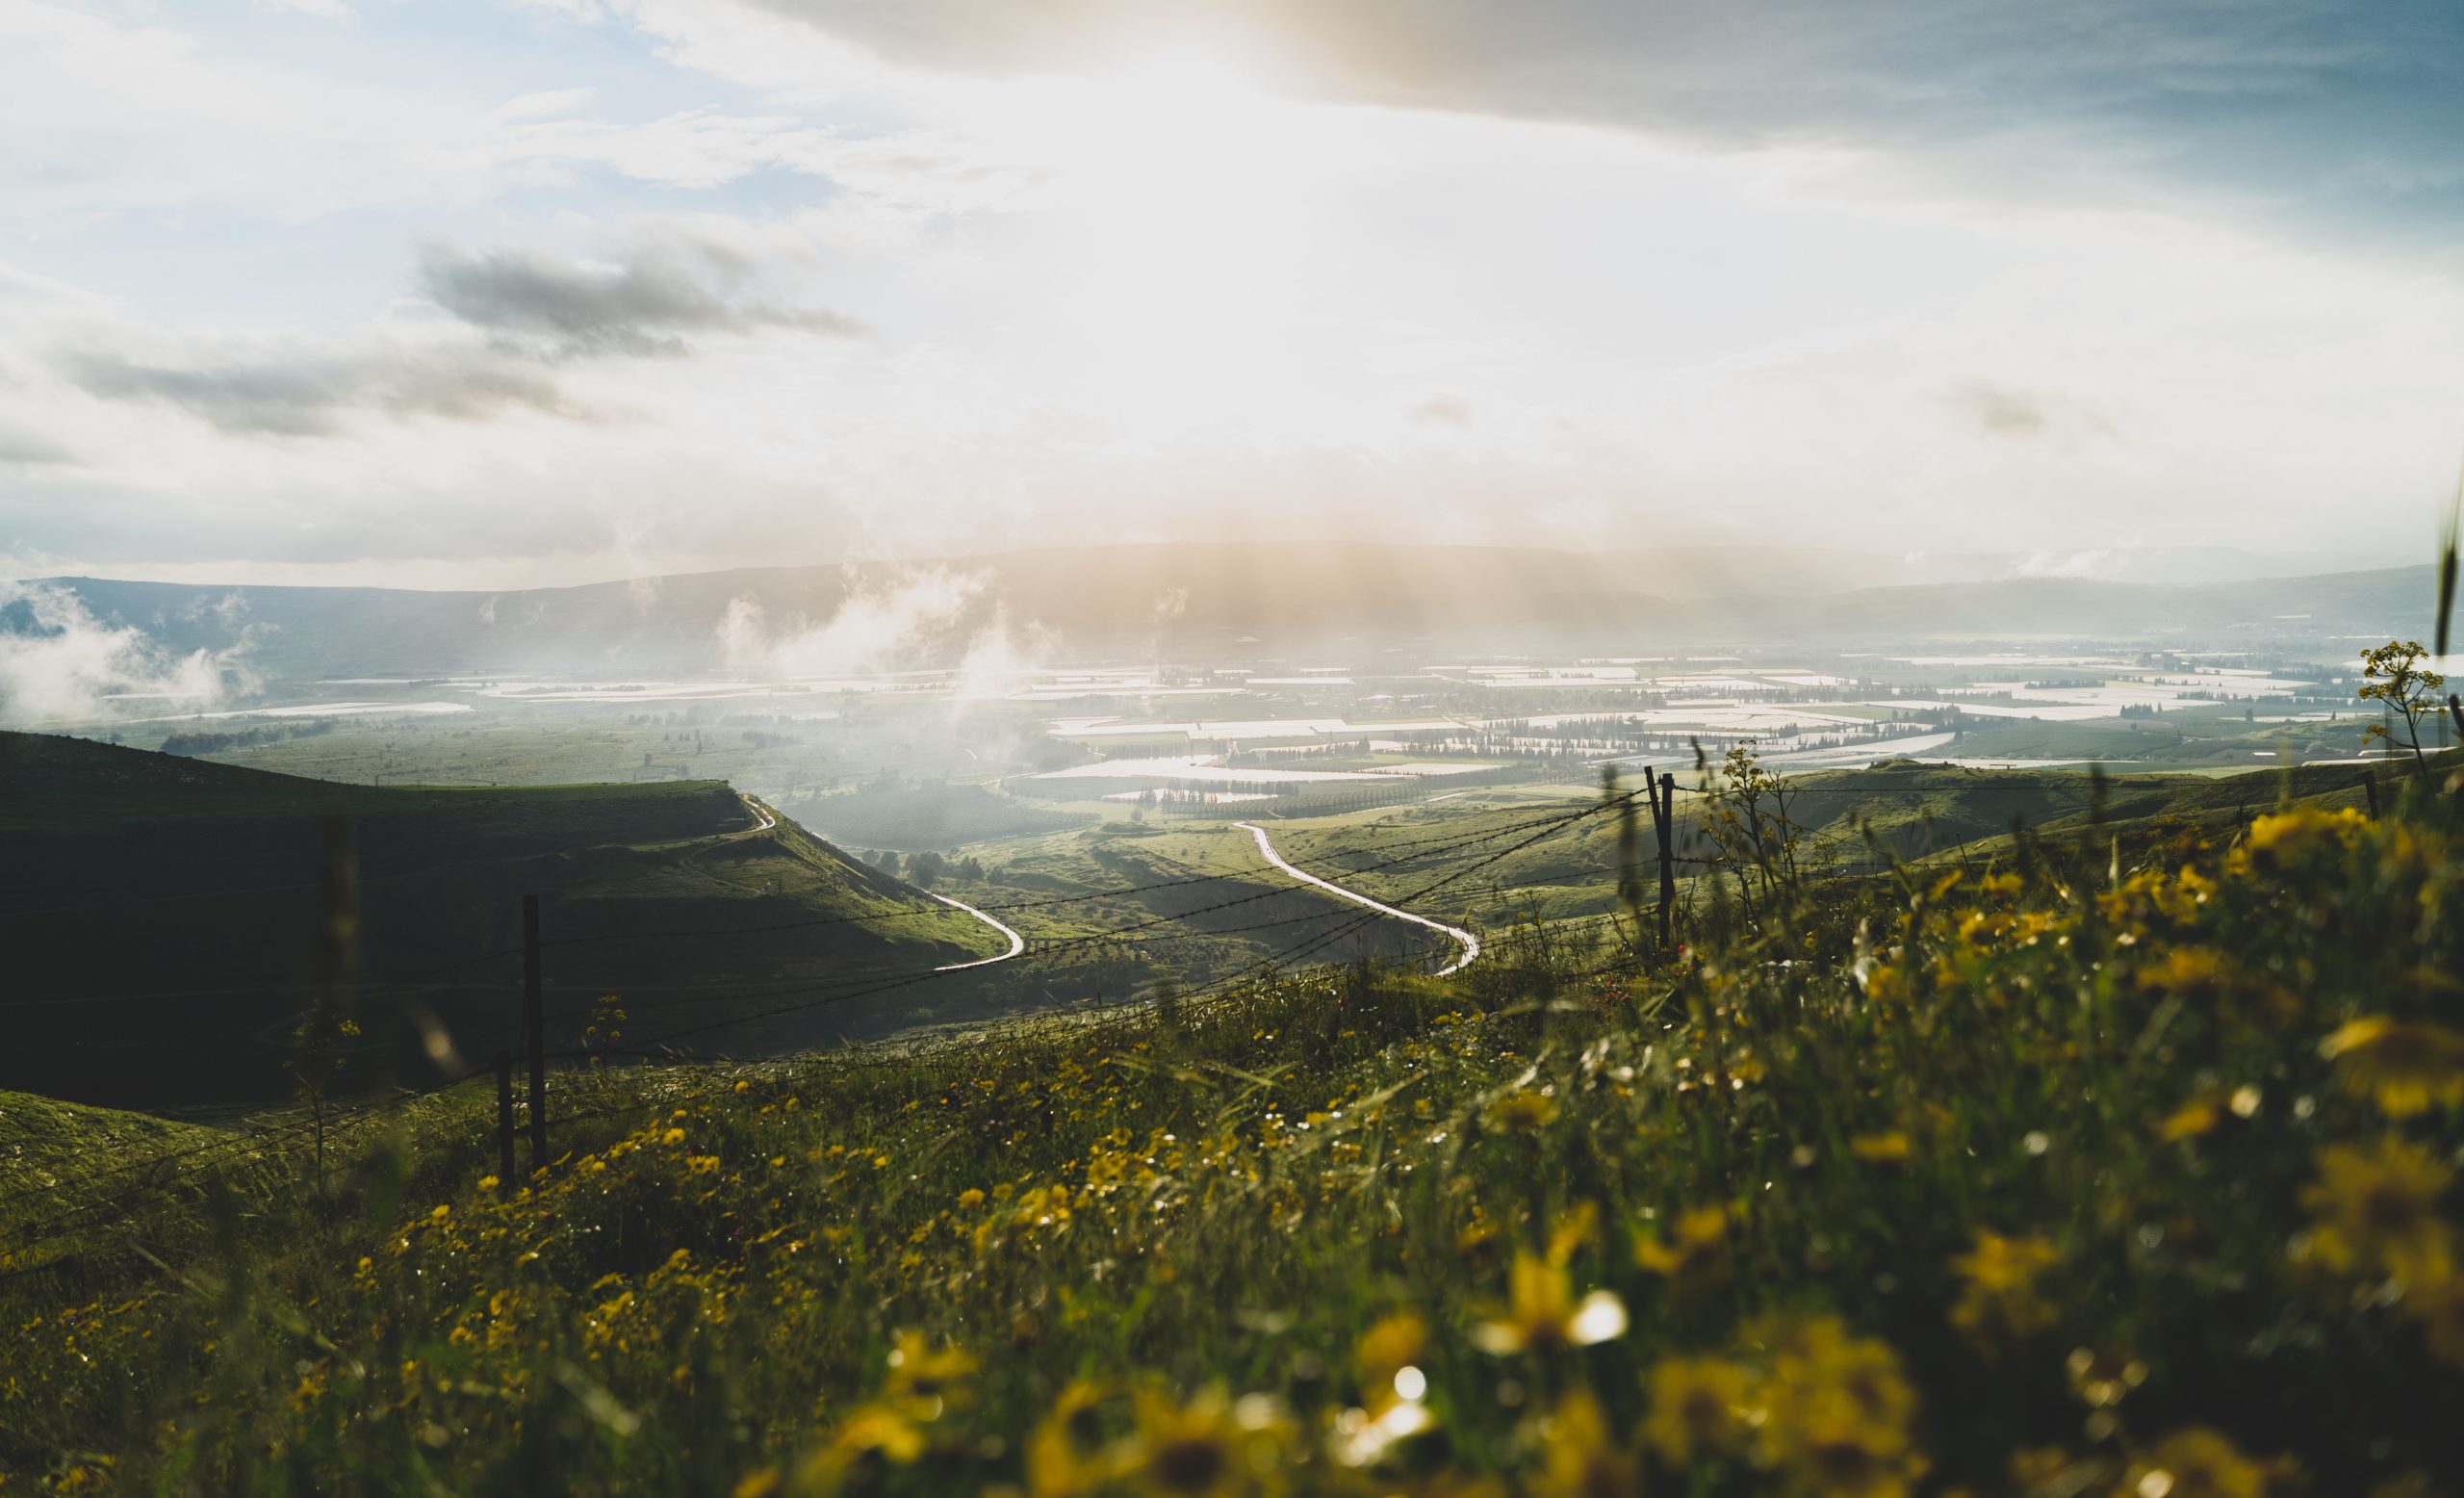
2083	1169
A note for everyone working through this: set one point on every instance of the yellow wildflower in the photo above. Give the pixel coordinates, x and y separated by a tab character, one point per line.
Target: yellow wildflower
1837	1411
918	1372
760	1483
2289	837
1066	1455
1698	1408
1524	1111
2196	1464
1999	1299
2378	1208
2197	1117
1579	1457
1212	1445
2407	1066
1542	1312
2199	974
1884	1148
1575	1228
1695	1253
871	1431
1390	1345
673	1137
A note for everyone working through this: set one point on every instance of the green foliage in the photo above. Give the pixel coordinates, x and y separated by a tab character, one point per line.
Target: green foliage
2078	1176
1746	819
2394	673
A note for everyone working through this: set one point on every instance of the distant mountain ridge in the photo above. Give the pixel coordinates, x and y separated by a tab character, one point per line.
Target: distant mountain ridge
1196	601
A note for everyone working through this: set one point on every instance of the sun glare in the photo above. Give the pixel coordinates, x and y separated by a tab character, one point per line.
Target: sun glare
1181	169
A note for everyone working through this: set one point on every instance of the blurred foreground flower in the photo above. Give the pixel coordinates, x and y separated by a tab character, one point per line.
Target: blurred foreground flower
1698	1408
2407	1067
1838	1412
2196	1463
1695	1253
1542	1312
1998	1298
2377	1209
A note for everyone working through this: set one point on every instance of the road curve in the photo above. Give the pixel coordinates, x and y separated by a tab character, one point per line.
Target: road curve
1470	944
1017	942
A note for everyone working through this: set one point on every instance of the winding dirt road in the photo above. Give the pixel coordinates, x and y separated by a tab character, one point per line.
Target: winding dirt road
1017	942
1469	943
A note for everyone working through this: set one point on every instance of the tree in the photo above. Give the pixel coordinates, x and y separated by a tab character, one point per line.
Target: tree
925	869
2396	675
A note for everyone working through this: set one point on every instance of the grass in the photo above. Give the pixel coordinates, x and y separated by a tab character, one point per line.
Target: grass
2091	1169
222	872
50	1141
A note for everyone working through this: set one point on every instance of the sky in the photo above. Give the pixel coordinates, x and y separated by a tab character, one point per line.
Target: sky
503	293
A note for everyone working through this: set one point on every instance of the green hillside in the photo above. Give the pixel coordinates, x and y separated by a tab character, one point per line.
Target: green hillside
1850	822
167	917
2076	1174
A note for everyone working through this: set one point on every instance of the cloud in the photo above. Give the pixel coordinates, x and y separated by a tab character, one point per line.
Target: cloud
2292	103
546	103
310	393
919	616
59	664
514	309
1442	411
2020	414
26	447
640	305
134	114
999	659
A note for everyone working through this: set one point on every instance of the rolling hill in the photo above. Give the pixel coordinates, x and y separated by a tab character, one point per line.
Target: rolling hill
165	917
1201	601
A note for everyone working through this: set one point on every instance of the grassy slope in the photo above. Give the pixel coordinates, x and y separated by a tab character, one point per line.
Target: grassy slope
134	873
2049	1149
49	1143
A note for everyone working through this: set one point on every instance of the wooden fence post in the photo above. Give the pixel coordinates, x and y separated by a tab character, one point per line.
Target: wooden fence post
504	1118
534	1032
1664	813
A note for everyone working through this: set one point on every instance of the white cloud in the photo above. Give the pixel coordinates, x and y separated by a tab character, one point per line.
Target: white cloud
61	664
904	623
123	115
547	102
1151	304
